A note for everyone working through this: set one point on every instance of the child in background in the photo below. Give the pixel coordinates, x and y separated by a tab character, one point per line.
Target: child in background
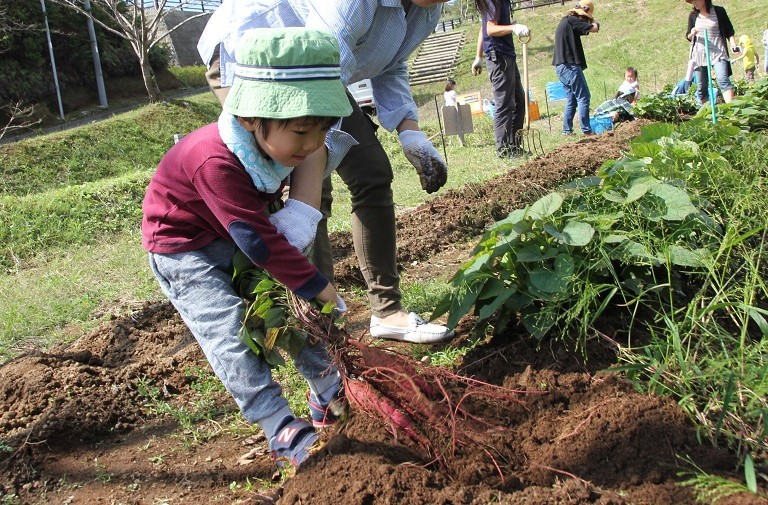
748	56
630	88
450	93
765	45
212	194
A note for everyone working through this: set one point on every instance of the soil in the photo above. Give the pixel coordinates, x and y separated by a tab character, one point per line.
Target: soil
75	428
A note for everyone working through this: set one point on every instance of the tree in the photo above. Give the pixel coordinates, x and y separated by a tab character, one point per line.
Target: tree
14	114
142	26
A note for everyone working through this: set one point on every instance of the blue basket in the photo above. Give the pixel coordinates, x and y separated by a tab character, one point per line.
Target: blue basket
556	91
601	124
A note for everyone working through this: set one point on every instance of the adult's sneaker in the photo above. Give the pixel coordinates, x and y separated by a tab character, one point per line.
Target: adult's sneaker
418	331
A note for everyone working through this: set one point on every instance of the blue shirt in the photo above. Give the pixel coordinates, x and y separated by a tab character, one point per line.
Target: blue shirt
375	37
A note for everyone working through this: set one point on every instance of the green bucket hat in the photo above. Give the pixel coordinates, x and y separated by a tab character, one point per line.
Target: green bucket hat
285	73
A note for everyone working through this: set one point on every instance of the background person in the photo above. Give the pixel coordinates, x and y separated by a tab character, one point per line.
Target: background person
748	57
570	63
210	196
450	95
375	46
765	45
495	42
629	90
714	21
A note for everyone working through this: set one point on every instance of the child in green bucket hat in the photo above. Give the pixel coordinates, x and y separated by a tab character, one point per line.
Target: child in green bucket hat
211	196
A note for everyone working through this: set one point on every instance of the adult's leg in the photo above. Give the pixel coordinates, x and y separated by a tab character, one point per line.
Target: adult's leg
502	76
520	104
322	254
722	71
565	74
702	88
367	172
583	97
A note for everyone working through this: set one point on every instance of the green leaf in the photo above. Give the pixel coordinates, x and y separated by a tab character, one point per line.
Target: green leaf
247	337
274	317
538	323
487	311
759	320
575	233
632	249
682	256
677	201
749	474
512	219
545	206
584	183
292	340
557	280
492	288
530	253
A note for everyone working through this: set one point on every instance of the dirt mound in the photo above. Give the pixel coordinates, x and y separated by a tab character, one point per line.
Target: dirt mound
75	428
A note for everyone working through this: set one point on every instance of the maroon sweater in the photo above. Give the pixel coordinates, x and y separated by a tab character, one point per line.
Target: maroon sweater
200	193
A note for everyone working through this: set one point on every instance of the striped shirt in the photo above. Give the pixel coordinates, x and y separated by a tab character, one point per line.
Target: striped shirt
375	37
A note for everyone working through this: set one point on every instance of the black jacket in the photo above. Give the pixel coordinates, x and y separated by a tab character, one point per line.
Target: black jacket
568	48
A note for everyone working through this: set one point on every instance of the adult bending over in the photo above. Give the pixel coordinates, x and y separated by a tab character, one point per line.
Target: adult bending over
376	38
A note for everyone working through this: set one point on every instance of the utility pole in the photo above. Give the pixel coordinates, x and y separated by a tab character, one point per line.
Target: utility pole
53	60
95	54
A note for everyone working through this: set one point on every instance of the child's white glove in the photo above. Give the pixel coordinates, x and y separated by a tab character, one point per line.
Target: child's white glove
433	172
298	222
341	307
520	30
477	66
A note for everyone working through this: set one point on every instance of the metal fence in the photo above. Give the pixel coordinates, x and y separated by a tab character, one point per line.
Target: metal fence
183	5
531	4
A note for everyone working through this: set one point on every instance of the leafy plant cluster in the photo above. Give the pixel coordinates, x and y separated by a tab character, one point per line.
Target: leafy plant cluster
561	260
269	324
748	111
664	106
671	239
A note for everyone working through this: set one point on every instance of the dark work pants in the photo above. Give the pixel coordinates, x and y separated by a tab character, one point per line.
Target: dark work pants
509	96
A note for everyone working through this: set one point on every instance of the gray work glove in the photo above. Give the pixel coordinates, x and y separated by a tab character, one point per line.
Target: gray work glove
433	172
298	222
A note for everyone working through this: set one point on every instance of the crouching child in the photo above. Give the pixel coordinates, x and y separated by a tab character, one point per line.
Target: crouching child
213	194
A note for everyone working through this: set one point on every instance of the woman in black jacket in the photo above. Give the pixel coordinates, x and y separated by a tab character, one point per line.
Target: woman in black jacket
713	21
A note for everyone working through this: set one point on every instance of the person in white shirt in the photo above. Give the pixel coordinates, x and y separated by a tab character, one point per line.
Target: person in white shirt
629	90
450	93
765	44
376	37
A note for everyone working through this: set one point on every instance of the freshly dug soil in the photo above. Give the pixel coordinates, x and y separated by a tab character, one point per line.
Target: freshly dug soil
75	428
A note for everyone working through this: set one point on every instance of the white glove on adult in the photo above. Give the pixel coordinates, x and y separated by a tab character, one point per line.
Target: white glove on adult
433	172
520	30
298	222
477	66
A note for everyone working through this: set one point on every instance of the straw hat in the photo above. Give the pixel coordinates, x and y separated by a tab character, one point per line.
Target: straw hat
285	73
585	8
